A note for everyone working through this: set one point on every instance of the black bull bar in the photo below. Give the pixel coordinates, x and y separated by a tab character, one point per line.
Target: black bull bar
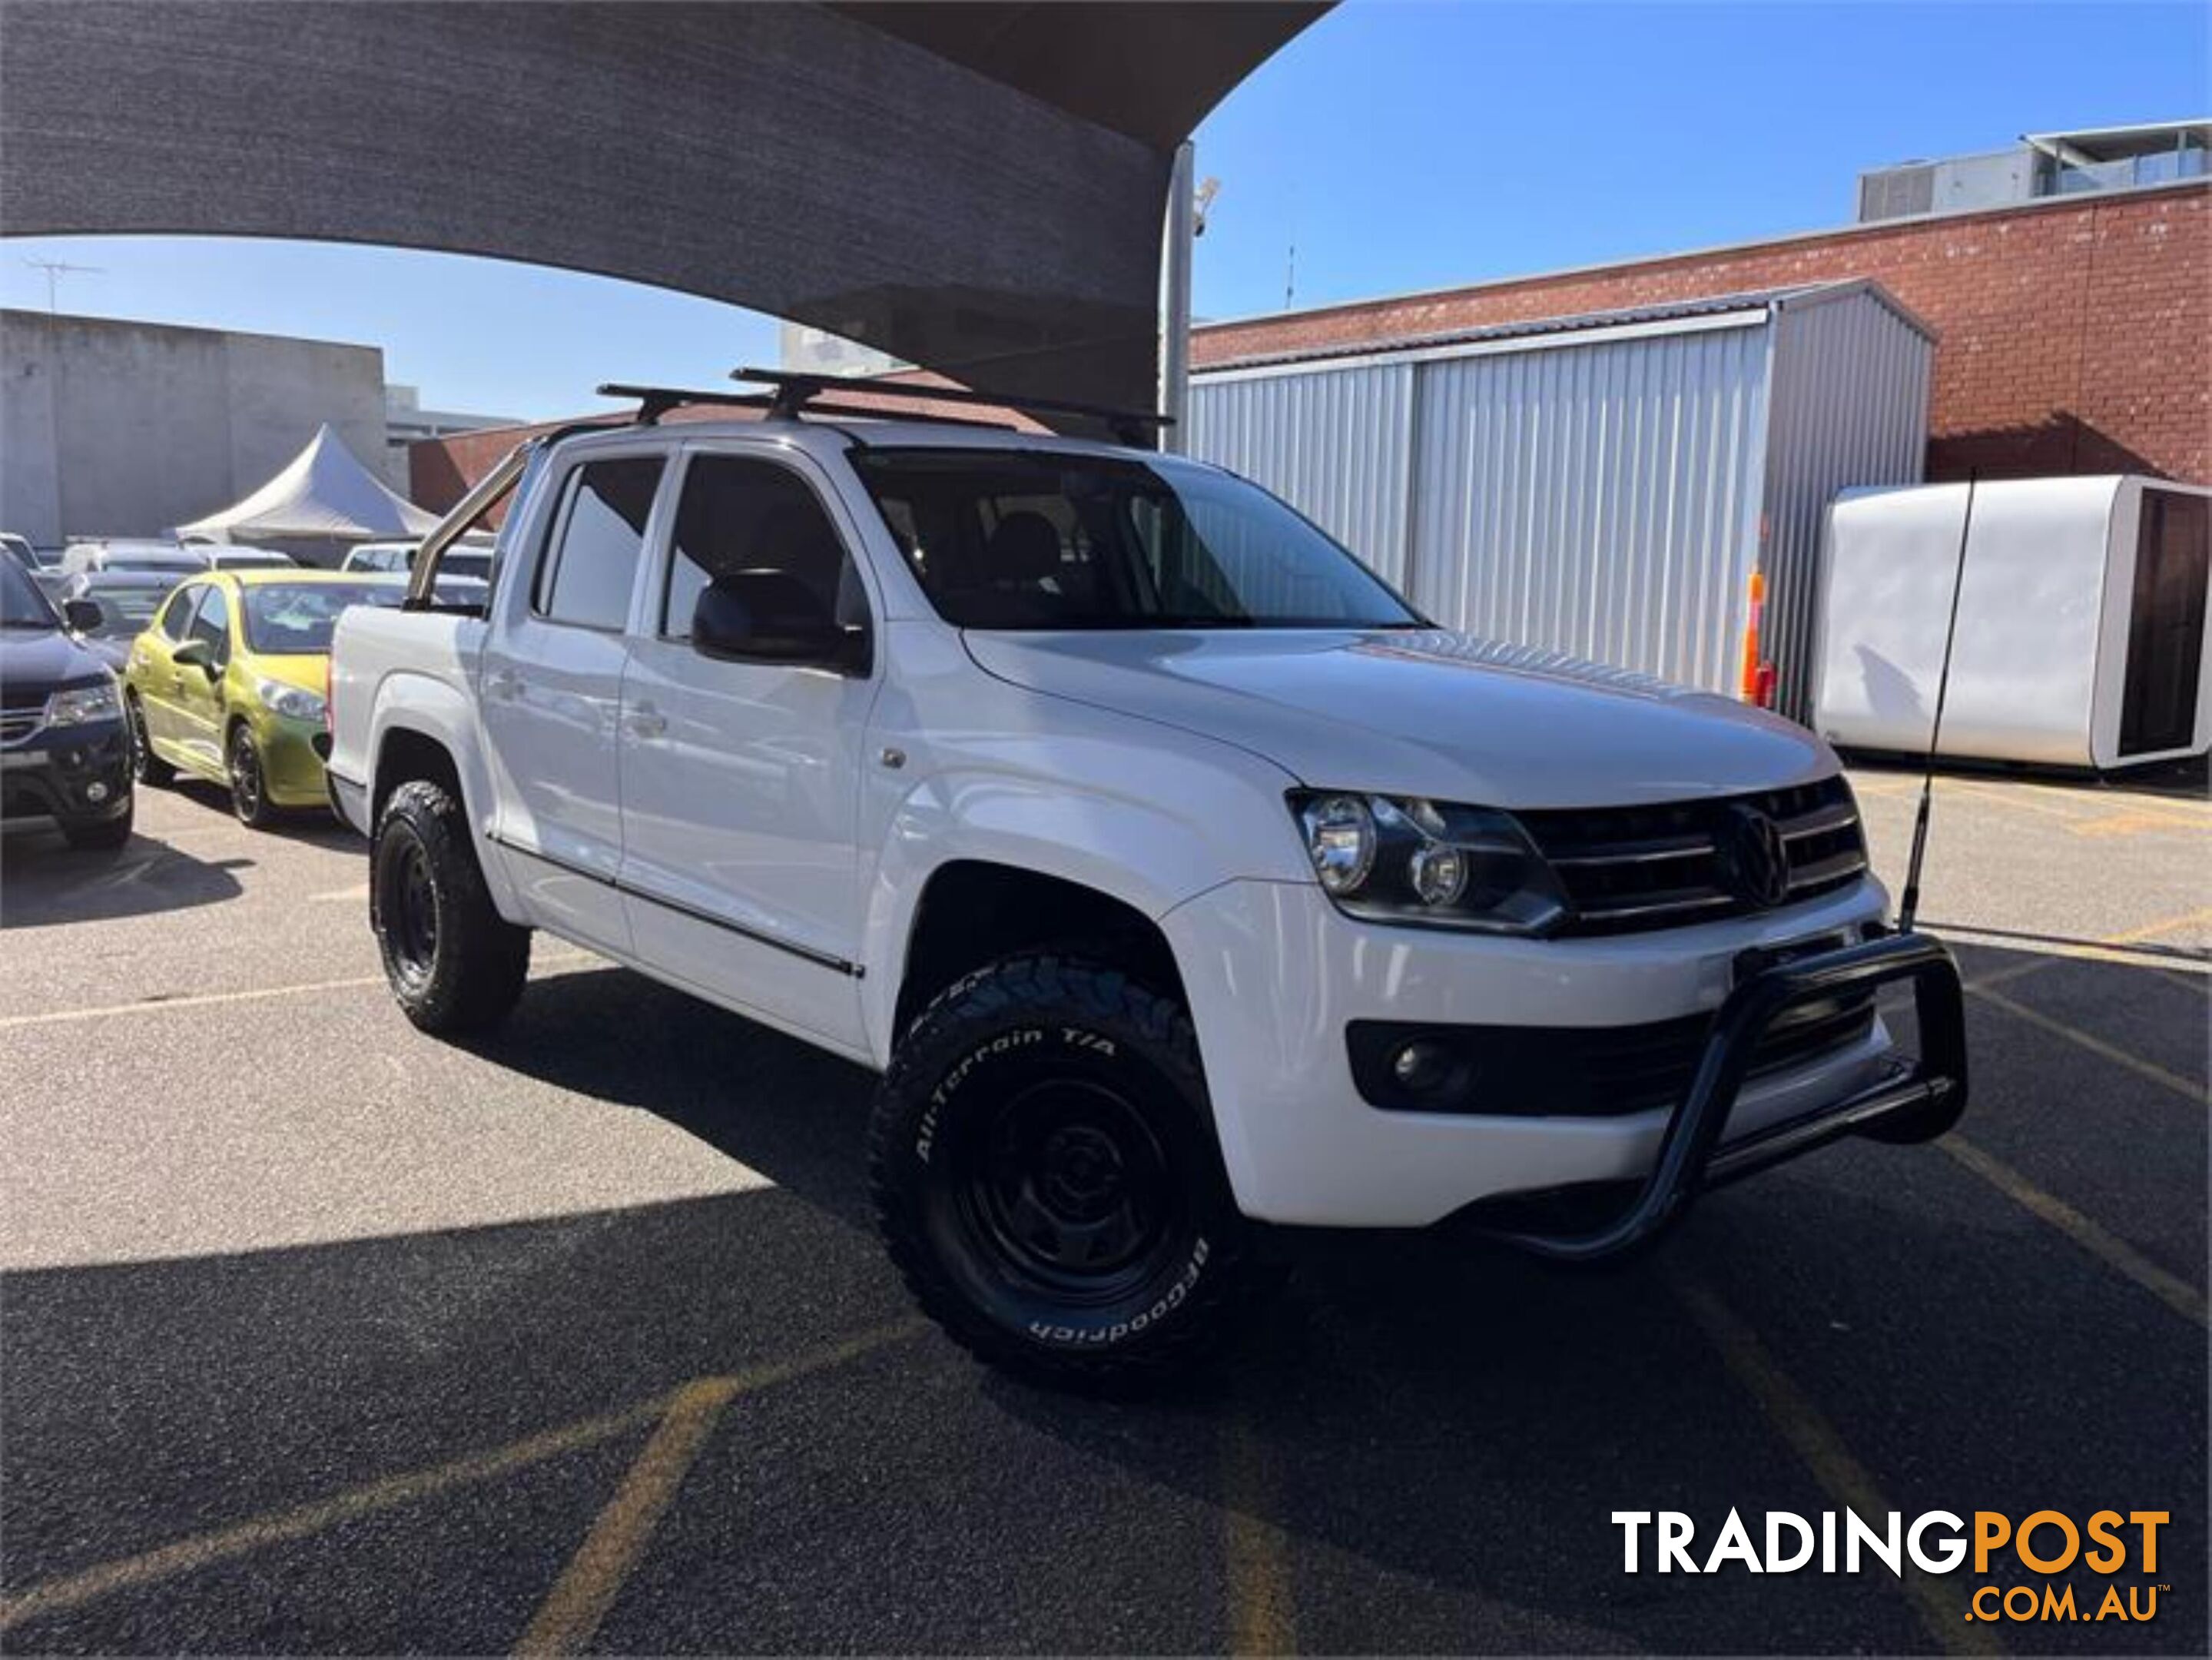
1917	1102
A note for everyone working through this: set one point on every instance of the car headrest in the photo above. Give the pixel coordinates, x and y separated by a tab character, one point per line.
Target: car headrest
1025	548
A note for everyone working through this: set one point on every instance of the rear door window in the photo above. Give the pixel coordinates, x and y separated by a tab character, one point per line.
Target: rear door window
597	541
177	615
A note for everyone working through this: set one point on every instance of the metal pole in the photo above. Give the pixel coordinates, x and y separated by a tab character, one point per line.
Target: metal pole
1175	296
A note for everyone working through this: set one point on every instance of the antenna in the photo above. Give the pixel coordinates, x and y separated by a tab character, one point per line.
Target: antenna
1909	906
58	269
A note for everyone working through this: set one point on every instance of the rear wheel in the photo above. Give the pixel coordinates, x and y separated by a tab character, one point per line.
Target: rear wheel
453	963
146	767
1046	1178
249	780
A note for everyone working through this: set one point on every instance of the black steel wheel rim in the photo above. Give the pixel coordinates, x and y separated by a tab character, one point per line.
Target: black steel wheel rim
245	775
1067	1189
411	911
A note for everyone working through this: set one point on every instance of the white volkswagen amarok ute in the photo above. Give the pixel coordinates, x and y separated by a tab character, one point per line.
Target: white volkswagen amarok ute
1175	874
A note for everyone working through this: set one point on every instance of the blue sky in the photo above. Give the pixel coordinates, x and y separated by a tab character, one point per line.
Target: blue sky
1401	145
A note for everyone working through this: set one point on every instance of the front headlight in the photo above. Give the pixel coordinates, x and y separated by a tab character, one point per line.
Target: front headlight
281	698
1396	858
78	706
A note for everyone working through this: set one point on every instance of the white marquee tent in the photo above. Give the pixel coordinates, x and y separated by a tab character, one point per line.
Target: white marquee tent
323	499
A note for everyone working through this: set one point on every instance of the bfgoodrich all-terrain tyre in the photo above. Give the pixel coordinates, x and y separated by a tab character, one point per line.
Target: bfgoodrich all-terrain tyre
1046	1177
454	963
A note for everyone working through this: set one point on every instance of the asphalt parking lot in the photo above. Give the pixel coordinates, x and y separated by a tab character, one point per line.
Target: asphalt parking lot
317	1334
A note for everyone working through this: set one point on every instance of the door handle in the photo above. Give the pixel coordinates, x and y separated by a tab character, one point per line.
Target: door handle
647	721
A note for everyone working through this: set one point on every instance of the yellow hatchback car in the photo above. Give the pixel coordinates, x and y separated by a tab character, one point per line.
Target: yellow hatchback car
228	683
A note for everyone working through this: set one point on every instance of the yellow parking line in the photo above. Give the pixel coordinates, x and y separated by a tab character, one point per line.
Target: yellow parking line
2177	1293
2010	798
1256	1551
188	1555
252	994
588	1587
2134	1063
2156	930
1813	1439
282	1527
195	1000
2134	822
2010	972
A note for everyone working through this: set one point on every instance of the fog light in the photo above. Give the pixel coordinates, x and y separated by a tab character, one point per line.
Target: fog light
1439	875
95	791
1421	1067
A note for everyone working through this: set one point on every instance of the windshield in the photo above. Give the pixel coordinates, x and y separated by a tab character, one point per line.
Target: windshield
125	610
285	618
466	562
21	604
1037	540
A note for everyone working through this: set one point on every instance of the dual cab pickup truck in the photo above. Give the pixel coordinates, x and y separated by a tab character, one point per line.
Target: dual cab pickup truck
1175	875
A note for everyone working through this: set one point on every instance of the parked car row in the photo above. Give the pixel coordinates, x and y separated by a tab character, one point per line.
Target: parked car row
131	554
469	558
119	676
138	553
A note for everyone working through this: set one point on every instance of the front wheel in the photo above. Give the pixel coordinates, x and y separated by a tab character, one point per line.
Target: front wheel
249	779
454	965
1046	1177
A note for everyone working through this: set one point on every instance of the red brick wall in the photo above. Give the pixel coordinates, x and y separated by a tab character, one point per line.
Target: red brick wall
2076	337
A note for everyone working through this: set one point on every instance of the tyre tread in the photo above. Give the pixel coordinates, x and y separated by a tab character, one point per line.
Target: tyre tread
475	987
1036	986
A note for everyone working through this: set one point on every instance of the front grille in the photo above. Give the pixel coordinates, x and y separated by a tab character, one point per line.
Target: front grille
1588	1072
17	725
1628	869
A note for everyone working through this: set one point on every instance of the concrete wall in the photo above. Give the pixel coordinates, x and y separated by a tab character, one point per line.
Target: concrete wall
120	428
2074	334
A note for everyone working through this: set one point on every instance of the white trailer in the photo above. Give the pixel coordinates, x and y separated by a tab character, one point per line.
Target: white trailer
2081	621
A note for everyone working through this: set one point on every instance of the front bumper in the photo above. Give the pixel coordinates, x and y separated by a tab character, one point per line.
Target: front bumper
1275	976
56	773
1917	1101
291	764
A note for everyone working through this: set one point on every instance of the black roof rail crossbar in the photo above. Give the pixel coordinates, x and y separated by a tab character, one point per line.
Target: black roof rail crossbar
653	402
794	391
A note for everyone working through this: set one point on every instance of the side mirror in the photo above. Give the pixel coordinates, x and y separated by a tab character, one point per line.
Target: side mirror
83	615
195	653
768	616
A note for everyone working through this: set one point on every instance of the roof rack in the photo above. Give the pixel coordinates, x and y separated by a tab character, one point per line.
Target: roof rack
653	402
796	393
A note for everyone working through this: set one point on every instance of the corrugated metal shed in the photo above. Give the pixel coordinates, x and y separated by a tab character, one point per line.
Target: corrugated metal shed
1598	484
